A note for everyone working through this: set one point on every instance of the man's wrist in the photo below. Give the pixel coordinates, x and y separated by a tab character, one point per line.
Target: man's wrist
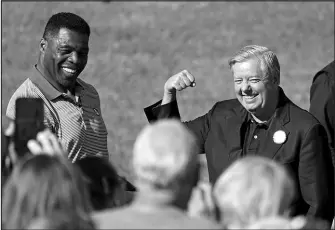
169	97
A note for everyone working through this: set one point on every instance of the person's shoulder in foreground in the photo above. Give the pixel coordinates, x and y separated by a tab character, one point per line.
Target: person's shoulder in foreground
130	218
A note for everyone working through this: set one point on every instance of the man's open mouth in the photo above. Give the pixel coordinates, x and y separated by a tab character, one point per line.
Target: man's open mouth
69	71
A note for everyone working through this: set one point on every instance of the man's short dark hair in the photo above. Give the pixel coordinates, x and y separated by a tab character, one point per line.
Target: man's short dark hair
65	20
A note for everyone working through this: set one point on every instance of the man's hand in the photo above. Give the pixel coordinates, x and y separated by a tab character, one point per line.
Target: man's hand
177	82
46	143
201	203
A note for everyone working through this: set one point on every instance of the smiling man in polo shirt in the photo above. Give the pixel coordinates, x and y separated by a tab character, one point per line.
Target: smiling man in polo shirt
72	106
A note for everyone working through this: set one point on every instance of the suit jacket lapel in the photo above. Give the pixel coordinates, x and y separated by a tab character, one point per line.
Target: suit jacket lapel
235	125
281	117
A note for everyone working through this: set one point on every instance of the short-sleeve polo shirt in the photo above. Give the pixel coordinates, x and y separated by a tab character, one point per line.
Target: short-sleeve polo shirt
77	123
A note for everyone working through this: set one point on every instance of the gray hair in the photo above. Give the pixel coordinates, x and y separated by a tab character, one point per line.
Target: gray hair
164	156
269	63
253	188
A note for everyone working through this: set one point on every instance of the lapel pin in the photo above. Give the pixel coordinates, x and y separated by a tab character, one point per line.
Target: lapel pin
96	111
279	137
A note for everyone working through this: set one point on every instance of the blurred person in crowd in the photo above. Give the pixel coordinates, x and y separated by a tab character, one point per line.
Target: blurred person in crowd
255	193
107	189
72	106
253	188
62	220
40	184
260	121
45	143
322	104
166	170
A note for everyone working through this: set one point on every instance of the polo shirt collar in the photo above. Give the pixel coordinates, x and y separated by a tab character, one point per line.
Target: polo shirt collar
266	124
46	87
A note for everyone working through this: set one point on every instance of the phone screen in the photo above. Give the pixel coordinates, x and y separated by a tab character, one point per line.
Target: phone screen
29	120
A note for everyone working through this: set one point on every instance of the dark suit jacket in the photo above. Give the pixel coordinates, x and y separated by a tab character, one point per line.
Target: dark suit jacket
322	101
305	153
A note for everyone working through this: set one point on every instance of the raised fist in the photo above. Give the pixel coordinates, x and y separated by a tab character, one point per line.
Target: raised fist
179	81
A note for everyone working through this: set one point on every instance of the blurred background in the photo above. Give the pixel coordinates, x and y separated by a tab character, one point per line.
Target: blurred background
136	46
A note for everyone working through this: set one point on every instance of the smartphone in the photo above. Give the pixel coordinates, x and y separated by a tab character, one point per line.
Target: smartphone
29	120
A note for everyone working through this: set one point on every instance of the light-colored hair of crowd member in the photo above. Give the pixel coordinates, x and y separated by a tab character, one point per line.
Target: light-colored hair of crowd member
269	63
40	184
253	188
164	158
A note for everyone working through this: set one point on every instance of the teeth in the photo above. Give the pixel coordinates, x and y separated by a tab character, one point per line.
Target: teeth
249	97
69	70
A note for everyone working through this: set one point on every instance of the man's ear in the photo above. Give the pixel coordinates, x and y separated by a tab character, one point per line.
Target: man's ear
276	80
43	45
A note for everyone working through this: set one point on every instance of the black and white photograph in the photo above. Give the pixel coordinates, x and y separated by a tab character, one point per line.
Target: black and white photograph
167	115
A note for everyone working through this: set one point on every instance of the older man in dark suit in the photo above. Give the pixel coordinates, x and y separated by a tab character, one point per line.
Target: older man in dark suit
261	121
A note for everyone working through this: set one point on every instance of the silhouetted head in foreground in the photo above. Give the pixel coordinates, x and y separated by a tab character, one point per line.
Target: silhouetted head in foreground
165	164
253	188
